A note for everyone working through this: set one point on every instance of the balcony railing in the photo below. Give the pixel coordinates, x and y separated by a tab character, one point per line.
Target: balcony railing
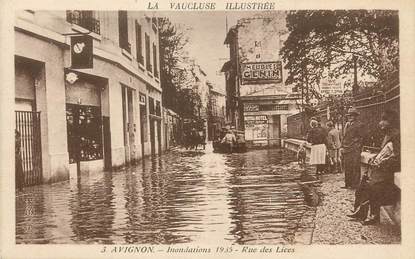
84	19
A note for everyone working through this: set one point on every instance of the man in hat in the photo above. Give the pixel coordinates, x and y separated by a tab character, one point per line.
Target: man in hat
333	145
351	148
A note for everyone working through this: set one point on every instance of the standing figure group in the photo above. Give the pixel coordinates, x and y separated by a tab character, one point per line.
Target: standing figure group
375	187
330	153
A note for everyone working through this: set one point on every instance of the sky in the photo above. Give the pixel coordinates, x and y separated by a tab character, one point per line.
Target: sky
206	37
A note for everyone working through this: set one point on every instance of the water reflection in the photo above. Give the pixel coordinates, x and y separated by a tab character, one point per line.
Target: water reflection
182	196
92	211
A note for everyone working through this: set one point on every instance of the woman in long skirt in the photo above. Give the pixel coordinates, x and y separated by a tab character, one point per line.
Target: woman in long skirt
317	136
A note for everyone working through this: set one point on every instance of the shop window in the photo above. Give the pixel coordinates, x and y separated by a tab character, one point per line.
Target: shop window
123	31
85	19
84	126
139	43
148	55
156	72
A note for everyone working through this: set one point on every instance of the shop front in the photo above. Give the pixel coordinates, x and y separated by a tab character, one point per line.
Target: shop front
264	120
85	124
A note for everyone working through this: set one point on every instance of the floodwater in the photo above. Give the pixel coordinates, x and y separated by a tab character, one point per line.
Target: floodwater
180	197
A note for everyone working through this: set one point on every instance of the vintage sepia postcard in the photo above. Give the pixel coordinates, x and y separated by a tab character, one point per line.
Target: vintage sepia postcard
207	129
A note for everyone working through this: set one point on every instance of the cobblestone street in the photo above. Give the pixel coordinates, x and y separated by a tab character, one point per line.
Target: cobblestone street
332	226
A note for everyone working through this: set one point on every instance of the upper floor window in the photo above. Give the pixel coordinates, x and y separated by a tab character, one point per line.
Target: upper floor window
139	43
84	19
148	51
151	106
123	30
158	108
156	72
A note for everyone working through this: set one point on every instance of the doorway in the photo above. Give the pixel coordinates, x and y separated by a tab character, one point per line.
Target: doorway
129	126
28	147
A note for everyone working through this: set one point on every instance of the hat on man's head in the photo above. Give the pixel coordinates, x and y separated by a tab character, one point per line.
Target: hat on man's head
353	111
313	123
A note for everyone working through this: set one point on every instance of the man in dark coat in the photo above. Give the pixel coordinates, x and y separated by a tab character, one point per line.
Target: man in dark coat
382	190
351	148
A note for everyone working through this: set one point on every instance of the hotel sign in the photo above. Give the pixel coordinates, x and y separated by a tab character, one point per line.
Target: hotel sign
255	120
261	73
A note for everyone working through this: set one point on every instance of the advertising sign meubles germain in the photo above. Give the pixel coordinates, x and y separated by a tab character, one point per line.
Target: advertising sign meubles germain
261	72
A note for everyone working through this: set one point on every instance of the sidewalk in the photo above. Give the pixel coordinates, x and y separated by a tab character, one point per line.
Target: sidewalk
332	226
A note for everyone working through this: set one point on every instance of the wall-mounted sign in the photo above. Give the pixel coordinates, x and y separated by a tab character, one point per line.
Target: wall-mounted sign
81	52
71	77
255	120
251	107
331	87
261	73
256	127
142	99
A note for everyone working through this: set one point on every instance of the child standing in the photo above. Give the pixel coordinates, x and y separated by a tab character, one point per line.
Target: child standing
301	155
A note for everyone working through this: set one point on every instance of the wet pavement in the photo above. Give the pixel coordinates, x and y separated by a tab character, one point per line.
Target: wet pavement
179	197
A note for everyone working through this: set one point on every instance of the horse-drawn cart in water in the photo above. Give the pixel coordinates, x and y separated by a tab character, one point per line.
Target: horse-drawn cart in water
194	134
239	145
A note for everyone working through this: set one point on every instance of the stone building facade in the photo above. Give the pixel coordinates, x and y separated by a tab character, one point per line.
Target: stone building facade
216	113
258	101
89	119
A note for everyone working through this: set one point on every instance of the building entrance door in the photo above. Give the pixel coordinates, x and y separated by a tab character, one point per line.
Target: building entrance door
128	124
28	148
275	131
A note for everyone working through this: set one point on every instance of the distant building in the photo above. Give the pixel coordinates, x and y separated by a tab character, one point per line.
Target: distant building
86	119
257	100
216	112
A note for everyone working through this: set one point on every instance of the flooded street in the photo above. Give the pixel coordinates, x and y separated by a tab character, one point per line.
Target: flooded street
180	197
